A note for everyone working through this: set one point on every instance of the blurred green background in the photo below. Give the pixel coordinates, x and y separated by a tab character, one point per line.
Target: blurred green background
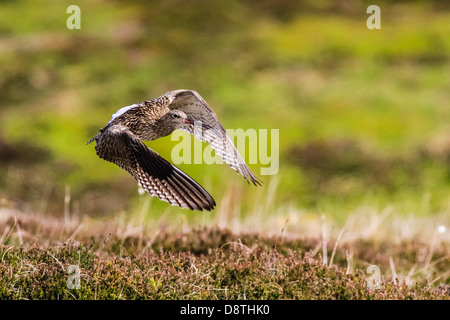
363	115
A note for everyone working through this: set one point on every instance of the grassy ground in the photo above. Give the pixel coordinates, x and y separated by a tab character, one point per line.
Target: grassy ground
121	261
41	273
364	150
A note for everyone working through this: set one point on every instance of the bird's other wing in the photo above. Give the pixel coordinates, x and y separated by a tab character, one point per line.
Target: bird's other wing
155	174
210	129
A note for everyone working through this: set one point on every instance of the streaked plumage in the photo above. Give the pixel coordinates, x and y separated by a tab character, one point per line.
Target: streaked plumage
120	142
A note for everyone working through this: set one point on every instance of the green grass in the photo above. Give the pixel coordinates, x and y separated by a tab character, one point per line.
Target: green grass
313	76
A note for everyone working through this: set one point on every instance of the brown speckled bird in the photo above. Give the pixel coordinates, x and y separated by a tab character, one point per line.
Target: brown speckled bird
120	142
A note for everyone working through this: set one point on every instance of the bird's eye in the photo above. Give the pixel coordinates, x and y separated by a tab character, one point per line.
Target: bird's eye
175	116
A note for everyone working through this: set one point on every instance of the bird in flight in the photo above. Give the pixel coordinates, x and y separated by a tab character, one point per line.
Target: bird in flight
120	142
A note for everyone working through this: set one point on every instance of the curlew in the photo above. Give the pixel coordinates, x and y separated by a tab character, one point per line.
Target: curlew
120	142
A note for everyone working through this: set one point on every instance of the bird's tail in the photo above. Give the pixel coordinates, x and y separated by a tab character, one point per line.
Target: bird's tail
94	138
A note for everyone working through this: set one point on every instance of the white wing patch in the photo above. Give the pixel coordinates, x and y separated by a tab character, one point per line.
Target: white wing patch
122	111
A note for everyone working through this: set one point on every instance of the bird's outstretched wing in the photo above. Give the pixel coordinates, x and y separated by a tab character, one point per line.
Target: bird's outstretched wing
211	130
155	174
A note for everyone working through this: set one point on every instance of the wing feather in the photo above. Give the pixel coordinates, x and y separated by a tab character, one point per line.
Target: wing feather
209	129
155	174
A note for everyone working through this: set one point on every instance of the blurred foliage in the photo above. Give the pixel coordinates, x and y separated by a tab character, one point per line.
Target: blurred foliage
309	68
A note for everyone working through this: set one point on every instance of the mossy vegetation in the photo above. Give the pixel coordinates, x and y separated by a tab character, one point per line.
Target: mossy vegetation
220	266
122	262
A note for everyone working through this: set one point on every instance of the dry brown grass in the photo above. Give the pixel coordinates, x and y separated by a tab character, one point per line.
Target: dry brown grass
122	260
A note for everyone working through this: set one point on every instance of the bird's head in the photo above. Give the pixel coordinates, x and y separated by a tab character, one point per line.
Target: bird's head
175	119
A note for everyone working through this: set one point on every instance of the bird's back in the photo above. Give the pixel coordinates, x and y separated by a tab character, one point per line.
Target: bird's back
142	118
